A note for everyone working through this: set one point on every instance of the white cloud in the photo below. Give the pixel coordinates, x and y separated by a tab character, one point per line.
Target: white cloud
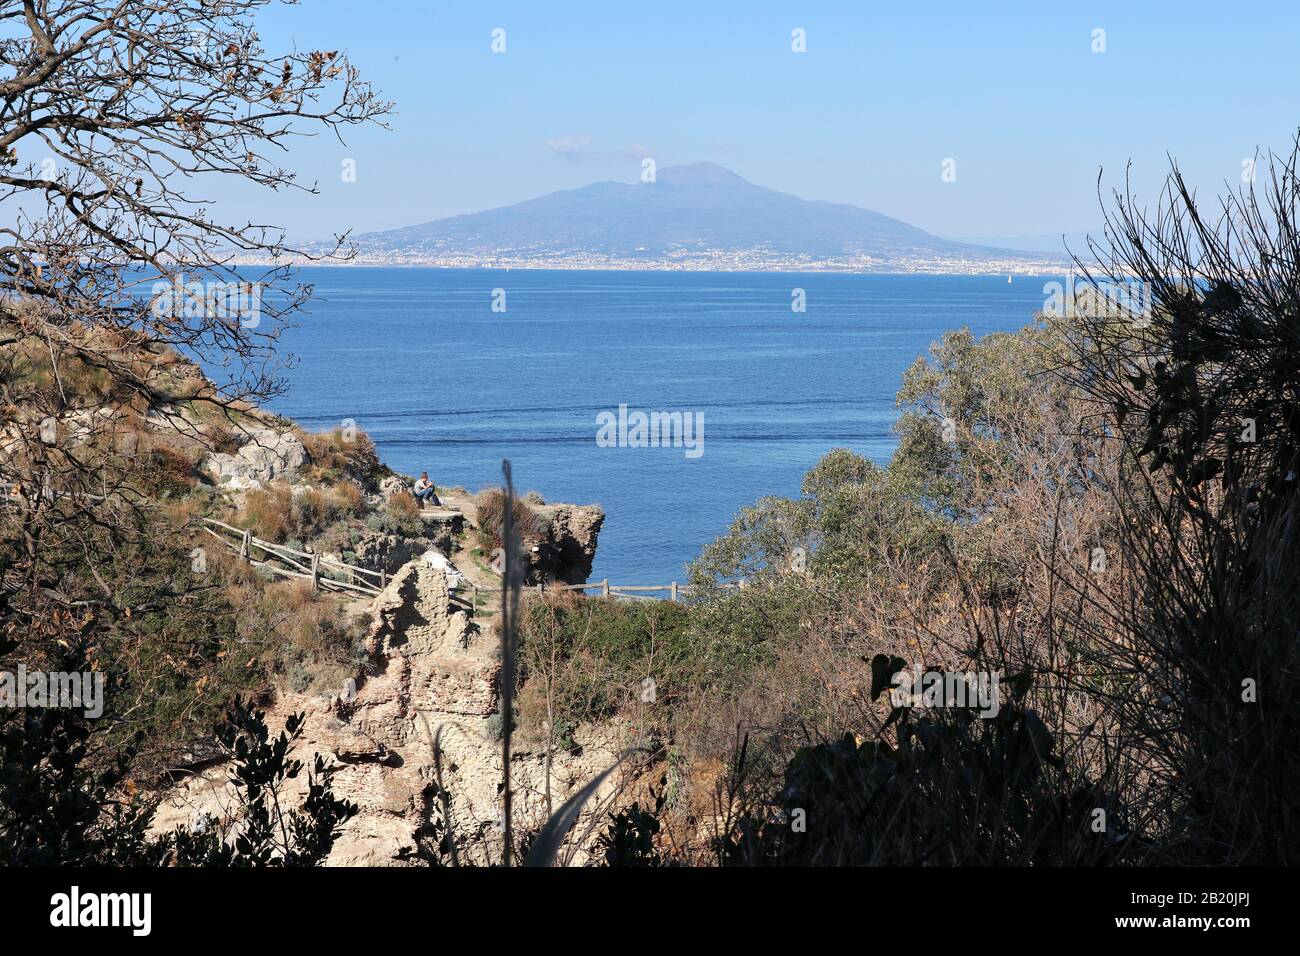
581	149
571	147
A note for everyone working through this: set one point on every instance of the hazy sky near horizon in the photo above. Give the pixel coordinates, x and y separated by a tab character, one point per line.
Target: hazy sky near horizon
1014	93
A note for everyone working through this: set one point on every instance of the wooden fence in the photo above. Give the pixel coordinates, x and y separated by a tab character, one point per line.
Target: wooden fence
643	592
311	566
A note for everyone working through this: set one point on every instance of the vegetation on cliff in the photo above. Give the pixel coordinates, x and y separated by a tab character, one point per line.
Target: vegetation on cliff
1097	517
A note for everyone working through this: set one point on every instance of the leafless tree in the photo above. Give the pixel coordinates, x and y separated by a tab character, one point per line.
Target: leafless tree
114	118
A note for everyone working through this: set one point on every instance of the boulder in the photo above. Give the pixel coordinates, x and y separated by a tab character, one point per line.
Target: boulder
378	551
265	456
392	485
567	548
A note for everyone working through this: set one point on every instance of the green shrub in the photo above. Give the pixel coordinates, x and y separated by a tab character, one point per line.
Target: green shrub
56	810
585	660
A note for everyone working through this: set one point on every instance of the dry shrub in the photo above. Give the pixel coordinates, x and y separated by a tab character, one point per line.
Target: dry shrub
490	505
306	642
165	471
348	498
343	454
403	505
223	439
311	511
955	558
1116	544
268	513
277	514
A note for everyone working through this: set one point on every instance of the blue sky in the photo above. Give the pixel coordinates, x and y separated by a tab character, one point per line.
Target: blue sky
885	92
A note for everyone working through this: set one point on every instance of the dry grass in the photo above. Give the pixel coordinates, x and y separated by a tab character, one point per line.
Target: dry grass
403	505
277	514
490	505
304	640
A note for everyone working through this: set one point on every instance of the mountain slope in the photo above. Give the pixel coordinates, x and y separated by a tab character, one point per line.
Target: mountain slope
688	211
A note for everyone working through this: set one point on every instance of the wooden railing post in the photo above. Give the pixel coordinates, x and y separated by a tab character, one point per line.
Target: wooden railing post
246	546
315	572
674	592
604	588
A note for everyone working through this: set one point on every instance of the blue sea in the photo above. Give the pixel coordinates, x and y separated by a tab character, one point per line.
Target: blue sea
420	361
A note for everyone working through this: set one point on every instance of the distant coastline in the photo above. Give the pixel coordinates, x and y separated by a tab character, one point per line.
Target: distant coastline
723	262
694	218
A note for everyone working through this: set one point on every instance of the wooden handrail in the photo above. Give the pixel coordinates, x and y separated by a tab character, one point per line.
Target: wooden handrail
248	542
288	555
673	588
318	563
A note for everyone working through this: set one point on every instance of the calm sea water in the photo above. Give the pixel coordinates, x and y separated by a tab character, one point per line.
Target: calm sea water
442	383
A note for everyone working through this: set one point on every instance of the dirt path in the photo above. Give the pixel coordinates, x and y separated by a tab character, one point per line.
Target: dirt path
475	568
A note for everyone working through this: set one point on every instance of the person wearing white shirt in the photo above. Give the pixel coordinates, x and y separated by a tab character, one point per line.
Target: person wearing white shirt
424	491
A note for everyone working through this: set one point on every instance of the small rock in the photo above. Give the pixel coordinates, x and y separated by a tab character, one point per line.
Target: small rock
241	483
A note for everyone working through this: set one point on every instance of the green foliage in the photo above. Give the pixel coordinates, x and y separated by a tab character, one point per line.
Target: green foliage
974	413
747	590
267	834
54	809
495	725
954	790
977	417
630	838
57	810
400	524
853	526
162	632
593	658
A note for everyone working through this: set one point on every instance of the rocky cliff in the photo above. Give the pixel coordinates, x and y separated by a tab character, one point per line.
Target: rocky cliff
565	552
414	739
413	727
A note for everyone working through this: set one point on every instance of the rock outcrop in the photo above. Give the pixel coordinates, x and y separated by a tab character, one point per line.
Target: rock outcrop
391	485
414	740
265	456
387	552
568	548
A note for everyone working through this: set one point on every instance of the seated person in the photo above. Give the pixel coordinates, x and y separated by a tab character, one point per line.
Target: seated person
424	491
